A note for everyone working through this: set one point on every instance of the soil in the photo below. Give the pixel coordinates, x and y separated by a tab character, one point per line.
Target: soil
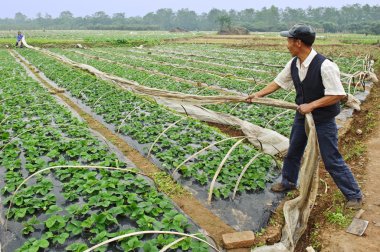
334	239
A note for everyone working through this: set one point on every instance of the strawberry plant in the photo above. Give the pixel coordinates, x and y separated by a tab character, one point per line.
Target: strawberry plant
98	203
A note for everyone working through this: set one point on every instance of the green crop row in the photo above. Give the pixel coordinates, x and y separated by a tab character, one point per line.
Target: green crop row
143	121
254	113
73	208
346	65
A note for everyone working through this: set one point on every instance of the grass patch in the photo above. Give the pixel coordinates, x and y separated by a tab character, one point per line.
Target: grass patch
355	151
314	238
336	214
167	185
338	217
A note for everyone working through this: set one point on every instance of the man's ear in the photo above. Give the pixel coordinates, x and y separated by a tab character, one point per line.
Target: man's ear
299	43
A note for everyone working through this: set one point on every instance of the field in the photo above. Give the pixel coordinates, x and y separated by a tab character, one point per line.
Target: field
88	154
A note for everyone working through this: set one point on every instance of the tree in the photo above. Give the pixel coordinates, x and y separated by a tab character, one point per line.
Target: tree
19	17
66	15
212	18
65	20
165	18
293	16
186	19
118	20
224	22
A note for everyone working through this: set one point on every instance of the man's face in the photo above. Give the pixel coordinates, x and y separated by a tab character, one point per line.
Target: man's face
294	46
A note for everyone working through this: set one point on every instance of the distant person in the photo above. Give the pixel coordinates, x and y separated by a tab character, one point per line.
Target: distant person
318	91
19	42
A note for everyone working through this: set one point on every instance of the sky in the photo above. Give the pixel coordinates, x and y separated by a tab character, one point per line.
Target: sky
142	7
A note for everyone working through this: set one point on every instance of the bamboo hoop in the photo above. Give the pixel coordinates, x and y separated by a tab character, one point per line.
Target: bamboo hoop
11	98
163	93
220	168
102	96
202	150
185	66
212	63
130	113
288	94
276	116
216	58
246	168
65	167
159	73
34	128
36	105
117	238
163	132
172	244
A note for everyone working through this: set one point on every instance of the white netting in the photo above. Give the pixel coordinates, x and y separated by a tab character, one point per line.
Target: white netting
268	140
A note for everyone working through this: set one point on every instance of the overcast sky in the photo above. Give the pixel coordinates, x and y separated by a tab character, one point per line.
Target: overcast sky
141	7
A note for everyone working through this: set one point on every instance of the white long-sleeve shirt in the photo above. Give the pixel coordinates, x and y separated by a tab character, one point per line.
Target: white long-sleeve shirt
329	71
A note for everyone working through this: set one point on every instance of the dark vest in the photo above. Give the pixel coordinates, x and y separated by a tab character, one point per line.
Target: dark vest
311	89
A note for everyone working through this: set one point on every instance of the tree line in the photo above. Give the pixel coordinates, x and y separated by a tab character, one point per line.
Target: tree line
354	18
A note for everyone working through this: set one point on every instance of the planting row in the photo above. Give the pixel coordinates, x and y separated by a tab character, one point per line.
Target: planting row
347	65
232	77
144	121
267	59
256	114
246	73
70	208
178	71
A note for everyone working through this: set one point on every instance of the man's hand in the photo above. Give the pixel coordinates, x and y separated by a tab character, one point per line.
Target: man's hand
270	88
251	97
305	108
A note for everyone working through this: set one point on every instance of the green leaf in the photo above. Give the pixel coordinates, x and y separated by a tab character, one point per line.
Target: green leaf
76	247
61	238
53	209
42	243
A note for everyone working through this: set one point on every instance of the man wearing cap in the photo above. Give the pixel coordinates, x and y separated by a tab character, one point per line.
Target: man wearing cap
318	91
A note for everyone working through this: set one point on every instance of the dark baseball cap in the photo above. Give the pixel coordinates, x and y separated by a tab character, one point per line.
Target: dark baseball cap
303	32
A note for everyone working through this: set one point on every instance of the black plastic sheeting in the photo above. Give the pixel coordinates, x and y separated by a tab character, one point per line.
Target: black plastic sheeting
11	236
249	211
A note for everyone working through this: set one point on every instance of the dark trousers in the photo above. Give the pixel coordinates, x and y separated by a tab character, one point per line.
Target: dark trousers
327	134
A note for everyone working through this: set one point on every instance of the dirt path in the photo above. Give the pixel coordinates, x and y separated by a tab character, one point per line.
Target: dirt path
367	169
339	240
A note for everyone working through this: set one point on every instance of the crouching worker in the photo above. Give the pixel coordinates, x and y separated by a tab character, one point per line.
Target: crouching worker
318	91
19	42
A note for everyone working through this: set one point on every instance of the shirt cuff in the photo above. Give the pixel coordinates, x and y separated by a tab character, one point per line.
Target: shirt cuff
281	84
334	93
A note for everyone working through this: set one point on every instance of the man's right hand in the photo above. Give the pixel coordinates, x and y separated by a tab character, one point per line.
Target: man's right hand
251	97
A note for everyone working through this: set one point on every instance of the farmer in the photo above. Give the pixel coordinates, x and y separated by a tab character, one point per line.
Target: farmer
19	39
318	90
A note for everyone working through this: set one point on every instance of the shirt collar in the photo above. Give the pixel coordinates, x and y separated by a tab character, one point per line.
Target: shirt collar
308	59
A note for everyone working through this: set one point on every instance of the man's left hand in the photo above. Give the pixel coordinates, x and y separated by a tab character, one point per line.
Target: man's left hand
305	108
